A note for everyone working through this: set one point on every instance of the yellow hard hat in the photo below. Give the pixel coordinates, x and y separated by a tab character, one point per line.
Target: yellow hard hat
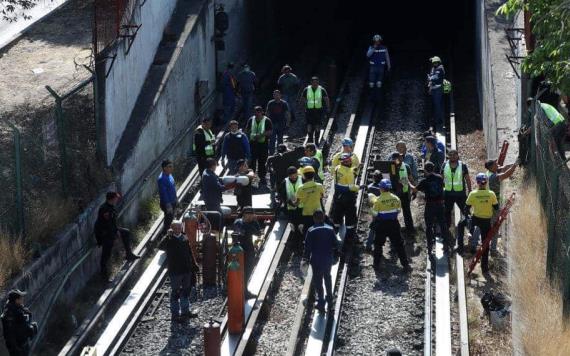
308	169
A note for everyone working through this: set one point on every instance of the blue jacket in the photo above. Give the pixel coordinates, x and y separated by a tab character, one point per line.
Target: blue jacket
377	57
166	189
212	189
436	76
320	245
440	147
229	83
236	146
246	80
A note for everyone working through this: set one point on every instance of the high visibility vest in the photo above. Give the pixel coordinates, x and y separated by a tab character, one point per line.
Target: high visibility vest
210	140
292	190
386	206
552	114
319	157
344	178
403	174
314	98
453	182
258	129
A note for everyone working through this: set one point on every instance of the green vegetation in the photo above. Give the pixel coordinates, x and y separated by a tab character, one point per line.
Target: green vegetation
550	21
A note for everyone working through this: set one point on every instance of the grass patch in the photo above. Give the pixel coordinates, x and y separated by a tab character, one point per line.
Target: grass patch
13	257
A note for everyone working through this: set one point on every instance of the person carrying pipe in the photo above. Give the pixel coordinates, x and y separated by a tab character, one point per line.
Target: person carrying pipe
17	324
182	269
235	146
244	193
246	228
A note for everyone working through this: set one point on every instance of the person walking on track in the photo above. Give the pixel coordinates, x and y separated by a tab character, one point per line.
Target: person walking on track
317	103
259	128
401	176
344	200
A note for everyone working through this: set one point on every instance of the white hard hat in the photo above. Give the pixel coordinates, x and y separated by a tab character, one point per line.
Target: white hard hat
377	38
435	59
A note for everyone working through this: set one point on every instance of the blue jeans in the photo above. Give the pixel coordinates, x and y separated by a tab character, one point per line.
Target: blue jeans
180	286
229	108
437	107
376	76
247	105
320	274
276	137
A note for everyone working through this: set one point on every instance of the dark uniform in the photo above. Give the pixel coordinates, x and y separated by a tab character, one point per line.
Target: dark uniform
245	231
432	187
204	146
18	327
243	193
106	230
257	131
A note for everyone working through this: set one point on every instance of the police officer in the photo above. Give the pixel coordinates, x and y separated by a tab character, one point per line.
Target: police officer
17	324
432	187
345	196
385	210
287	192
435	88
107	230
246	227
182	269
316	101
321	249
313	152
482	202
379	60
373	188
204	143
401	176
347	147
259	128
235	147
309	196
247	81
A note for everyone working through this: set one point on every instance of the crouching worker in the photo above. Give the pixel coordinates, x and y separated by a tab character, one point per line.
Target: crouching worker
321	250
17	324
385	210
182	269
246	227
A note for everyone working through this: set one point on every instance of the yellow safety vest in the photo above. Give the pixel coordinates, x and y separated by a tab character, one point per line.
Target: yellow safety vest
453	181
386	206
258	129
319	157
344	179
403	173
314	98
210	141
292	190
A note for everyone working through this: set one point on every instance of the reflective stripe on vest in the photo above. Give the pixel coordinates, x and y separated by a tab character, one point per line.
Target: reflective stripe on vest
314	98
258	129
453	182
404	178
319	157
210	140
292	190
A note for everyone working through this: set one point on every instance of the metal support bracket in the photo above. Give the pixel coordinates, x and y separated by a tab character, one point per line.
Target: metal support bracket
514	36
130	34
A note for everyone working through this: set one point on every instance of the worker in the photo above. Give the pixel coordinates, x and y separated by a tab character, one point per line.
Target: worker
373	188
275	165
244	193
229	84
17	324
182	270
312	151
235	146
321	250
481	202
433	153
408	158
212	188
246	228
558	126
259	128
309	197
379	60
287	192
107	230
344	200
401	176
457	185
289	85
317	103
247	84
278	111
385	210
434	212
347	147
495	175
167	194
435	88
440	146
204	143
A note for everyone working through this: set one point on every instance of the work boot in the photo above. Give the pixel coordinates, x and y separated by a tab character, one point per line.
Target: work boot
189	314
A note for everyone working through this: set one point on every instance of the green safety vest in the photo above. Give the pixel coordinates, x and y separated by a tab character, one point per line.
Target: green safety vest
314	98
453	182
403	173
319	157
210	140
292	190
552	114
258	129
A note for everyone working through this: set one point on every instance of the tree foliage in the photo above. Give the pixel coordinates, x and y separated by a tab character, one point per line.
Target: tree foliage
550	20
11	10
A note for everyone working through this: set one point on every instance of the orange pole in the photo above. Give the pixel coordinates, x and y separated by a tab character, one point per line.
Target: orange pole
236	299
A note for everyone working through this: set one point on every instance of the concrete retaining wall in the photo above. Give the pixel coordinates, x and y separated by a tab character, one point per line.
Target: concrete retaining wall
127	72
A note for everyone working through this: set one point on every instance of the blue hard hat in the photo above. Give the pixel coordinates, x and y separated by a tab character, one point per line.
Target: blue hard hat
481	178
385	184
305	161
347	141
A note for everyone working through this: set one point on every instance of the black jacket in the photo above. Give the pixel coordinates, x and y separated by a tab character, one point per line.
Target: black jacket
106	225
17	326
179	255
